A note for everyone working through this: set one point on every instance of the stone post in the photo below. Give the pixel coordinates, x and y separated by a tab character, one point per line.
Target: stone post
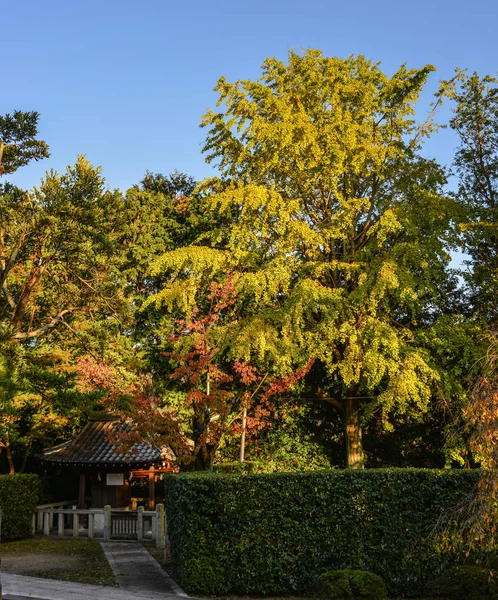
39	516
46	522
60	524
160	525
91	525
107	523
76	524
140	523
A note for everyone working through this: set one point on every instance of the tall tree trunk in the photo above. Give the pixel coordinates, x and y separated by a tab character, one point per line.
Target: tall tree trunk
243	435
203	458
354	442
27	453
12	468
203	451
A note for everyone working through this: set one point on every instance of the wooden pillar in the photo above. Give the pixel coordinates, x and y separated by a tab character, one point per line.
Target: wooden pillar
127	492
81	497
152	488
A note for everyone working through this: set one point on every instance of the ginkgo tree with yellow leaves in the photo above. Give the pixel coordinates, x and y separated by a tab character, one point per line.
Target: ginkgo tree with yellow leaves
338	230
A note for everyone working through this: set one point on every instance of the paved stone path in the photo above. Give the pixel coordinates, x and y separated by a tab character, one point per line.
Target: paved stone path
139	575
137	571
22	587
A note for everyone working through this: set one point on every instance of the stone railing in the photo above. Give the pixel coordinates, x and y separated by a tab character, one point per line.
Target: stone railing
104	523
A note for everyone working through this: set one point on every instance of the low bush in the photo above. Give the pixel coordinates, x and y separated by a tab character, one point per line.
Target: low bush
465	582
276	533
19	496
350	584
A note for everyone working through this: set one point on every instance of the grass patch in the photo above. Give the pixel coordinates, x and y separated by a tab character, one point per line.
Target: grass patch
79	561
49	546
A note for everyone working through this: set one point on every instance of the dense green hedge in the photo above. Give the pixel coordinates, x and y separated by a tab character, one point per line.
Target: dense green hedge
467	582
18	499
276	533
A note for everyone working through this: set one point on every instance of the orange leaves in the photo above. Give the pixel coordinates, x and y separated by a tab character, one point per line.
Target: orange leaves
246	372
479	519
94	376
285	384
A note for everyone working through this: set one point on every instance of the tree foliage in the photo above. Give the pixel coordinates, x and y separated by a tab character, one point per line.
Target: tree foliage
60	290
476	163
18	143
315	268
56	251
339	224
214	380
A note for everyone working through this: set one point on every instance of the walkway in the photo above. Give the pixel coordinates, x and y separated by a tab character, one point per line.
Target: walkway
139	575
138	572
21	587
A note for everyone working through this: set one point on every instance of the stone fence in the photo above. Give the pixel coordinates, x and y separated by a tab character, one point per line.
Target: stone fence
105	523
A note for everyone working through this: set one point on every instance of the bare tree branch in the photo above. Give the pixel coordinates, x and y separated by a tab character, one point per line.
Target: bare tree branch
8	295
37	332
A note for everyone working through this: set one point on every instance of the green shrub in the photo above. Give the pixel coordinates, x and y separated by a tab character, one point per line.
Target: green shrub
276	533
19	496
466	582
350	584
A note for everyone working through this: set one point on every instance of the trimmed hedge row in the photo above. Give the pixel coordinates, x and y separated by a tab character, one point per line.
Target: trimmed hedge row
19	496
276	533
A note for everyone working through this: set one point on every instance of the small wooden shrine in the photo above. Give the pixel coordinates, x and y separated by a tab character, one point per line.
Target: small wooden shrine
105	471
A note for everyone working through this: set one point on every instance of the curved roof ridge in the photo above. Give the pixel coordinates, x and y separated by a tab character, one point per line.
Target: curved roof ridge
93	447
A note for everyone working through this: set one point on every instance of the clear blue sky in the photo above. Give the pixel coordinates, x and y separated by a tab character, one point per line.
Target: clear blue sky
126	82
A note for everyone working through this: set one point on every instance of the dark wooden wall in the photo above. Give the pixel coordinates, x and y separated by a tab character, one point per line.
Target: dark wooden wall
115	495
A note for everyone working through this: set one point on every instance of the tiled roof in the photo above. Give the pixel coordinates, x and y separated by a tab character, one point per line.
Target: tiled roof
93	448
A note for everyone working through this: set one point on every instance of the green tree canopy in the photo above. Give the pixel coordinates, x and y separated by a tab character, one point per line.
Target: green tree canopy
476	163
56	252
60	289
18	143
338	229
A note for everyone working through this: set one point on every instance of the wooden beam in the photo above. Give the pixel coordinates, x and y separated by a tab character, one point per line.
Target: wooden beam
144	473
